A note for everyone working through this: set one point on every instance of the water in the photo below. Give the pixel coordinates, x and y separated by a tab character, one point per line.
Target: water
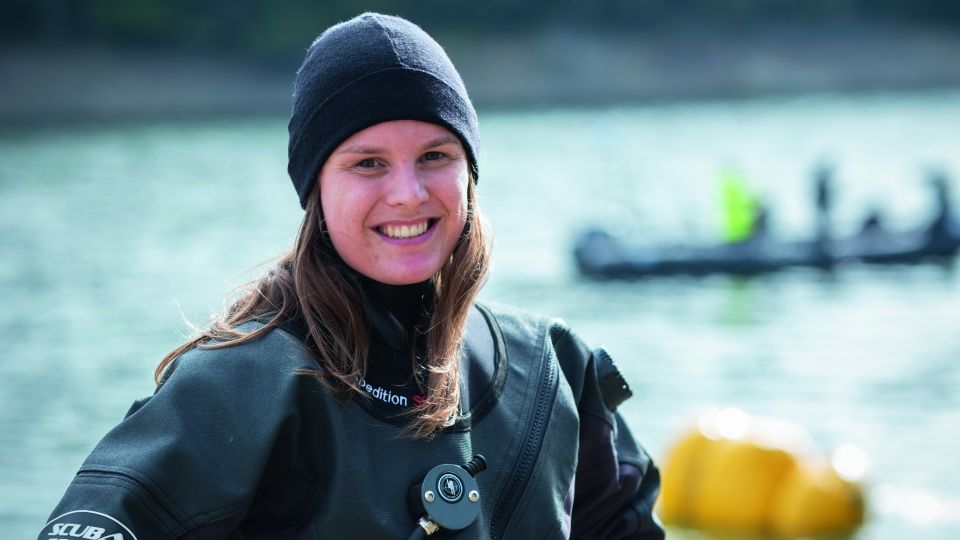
112	235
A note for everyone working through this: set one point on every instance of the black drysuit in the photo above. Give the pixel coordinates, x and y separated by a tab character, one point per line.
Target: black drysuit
237	444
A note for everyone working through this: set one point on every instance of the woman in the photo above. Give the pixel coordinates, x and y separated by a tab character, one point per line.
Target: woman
318	403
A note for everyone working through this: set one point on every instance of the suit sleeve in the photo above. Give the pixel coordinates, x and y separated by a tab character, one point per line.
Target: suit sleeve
185	462
616	482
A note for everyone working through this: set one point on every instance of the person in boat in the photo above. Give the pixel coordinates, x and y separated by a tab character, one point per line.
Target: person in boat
320	402
745	216
941	232
761	220
823	201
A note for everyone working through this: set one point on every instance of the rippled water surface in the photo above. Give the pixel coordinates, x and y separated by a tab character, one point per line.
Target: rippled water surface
109	236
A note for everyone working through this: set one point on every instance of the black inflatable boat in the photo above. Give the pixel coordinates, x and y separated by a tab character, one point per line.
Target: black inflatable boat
601	255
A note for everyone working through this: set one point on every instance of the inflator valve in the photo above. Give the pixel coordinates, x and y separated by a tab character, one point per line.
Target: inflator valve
449	496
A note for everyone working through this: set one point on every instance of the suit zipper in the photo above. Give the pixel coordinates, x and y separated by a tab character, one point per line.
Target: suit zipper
523	467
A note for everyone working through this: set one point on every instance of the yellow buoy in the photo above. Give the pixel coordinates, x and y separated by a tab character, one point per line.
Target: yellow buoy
738	474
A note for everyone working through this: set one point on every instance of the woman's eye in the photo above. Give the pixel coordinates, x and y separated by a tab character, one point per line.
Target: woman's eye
368	163
434	156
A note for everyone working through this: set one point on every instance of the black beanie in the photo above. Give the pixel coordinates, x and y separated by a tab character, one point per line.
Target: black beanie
371	69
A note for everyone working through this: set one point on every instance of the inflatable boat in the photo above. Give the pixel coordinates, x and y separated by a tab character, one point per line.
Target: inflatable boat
601	255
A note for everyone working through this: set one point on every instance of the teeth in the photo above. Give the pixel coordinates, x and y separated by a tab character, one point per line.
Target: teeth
404	231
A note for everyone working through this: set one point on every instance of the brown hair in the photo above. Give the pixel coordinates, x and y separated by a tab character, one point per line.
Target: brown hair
310	281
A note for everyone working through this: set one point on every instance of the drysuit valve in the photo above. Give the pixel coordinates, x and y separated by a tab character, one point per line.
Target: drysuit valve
448	496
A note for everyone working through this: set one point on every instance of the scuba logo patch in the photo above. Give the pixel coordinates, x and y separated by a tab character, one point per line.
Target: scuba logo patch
86	525
450	487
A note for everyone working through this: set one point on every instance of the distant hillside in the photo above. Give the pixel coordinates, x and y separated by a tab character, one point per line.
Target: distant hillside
555	65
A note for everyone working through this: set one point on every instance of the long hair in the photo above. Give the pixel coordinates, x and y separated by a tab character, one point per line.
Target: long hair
311	282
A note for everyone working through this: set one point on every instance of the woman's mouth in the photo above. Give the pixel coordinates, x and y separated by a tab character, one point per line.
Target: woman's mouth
406	231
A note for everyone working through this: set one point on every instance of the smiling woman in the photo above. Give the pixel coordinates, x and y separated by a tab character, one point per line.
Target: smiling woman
357	390
394	198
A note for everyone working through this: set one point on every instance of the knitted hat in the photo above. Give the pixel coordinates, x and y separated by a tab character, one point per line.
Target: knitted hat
371	69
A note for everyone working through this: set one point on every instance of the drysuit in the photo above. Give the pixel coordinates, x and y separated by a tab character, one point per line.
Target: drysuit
237	443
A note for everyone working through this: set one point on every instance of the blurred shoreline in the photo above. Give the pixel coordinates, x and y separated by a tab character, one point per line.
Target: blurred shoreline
556	66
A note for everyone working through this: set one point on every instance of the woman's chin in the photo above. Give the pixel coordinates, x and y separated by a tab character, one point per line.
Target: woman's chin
402	275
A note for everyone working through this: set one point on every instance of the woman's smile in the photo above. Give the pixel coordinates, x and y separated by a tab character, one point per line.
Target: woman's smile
417	231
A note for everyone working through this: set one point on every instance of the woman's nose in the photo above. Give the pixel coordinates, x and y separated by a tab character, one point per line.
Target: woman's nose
406	187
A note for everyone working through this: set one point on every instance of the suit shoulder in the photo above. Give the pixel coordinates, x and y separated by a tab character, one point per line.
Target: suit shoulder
512	317
273	354
507	314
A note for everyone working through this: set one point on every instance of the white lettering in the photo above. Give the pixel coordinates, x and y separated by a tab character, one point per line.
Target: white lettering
380	393
61	530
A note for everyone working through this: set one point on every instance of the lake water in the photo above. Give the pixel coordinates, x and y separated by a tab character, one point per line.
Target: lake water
110	235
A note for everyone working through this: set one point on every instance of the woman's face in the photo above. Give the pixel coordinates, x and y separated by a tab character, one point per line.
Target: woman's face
394	198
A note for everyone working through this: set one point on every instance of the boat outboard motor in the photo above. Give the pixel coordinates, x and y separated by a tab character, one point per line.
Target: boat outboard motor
447	499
